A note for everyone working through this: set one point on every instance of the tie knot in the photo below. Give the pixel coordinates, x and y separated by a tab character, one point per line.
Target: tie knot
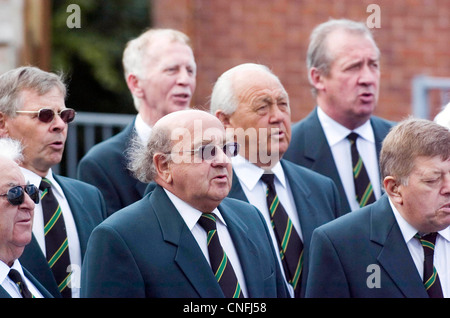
45	184
352	137
427	239
268	178
208	221
15	276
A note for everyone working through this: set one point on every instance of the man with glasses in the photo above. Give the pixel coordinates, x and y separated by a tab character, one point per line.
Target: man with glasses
252	103
32	111
17	201
162	245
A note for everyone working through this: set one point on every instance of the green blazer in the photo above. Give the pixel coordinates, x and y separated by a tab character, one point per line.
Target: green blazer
316	201
146	250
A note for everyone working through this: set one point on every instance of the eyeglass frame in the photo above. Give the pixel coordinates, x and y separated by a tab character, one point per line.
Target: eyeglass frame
53	117
202	148
34	196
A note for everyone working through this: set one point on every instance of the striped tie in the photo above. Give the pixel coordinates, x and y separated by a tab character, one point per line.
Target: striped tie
222	269
289	242
15	276
363	187
56	244
430	275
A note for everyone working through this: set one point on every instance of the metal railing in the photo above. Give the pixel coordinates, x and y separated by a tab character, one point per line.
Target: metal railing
84	132
421	86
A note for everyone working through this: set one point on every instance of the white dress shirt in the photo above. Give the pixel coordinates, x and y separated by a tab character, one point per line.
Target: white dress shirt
191	216
71	229
249	176
10	287
336	135
142	129
441	259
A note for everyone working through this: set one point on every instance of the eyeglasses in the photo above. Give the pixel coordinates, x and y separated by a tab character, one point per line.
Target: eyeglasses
209	151
46	115
15	195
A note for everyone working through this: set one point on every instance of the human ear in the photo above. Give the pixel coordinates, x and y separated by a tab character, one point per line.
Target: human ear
393	189
134	85
162	166
3	126
224	118
316	78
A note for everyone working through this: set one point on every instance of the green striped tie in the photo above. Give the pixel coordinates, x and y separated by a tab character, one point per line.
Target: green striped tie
363	187
430	276
222	268
289	242
56	244
15	276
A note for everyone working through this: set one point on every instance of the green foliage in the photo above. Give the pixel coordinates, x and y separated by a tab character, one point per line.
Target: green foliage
91	56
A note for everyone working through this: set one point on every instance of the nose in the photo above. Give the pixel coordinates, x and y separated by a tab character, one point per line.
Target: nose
57	124
220	159
28	203
276	114
184	76
368	75
446	185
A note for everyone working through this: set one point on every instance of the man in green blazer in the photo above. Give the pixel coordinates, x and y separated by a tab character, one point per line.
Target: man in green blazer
257	110
157	246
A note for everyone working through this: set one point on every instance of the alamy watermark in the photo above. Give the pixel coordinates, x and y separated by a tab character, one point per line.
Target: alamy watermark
73	21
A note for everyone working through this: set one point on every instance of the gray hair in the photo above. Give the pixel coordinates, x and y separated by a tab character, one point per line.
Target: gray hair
140	156
13	82
318	55
443	118
135	50
223	95
11	149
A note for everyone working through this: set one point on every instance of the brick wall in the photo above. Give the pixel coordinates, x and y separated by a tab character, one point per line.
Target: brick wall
413	38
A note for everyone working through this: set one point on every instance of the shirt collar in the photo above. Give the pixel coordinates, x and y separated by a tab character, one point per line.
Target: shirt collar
335	132
142	129
249	174
189	214
4	270
35	179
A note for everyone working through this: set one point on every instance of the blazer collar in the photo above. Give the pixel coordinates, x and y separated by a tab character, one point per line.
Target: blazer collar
188	256
394	255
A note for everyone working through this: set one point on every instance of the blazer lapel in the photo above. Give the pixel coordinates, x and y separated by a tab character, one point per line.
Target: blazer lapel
34	260
236	190
318	152
246	250
394	255
189	256
77	207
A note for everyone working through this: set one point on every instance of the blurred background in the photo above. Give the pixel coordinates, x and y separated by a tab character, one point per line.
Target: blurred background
413	36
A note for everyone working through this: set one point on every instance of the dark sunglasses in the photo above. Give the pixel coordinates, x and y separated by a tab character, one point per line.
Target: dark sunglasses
209	151
15	195
46	115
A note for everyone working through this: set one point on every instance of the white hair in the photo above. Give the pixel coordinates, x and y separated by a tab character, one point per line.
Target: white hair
223	96
443	118
11	149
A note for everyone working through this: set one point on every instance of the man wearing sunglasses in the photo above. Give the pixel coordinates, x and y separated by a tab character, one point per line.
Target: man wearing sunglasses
252	104
157	247
33	111
160	72
17	201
